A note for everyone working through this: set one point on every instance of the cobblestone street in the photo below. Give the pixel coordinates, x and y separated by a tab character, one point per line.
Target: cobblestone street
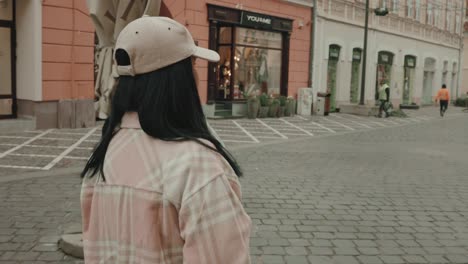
371	191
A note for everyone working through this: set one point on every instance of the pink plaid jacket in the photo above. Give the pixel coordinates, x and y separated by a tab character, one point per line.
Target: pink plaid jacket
163	202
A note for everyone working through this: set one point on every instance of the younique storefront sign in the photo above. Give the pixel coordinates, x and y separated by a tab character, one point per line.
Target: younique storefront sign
256	20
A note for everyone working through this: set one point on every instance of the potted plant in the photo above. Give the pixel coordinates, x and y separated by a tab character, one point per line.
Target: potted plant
282	108
253	105
290	106
264	106
274	108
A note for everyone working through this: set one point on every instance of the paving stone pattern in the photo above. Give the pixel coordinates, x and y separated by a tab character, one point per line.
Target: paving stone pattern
392	195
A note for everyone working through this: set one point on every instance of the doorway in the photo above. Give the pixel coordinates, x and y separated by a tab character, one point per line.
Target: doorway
384	70
408	81
355	76
332	72
429	72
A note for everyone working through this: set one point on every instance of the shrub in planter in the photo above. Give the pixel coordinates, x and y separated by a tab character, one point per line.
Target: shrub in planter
264	106
282	107
274	107
290	107
461	101
253	105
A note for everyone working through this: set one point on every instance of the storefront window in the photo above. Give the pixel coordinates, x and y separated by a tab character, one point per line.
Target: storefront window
384	70
255	67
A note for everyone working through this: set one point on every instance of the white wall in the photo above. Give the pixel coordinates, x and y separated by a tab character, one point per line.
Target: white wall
350	36
29	50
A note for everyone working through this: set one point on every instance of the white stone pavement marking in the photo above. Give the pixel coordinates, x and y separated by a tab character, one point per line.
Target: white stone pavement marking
272	129
20	167
69	133
24	144
365	120
267	137
299	128
14	137
237	141
352	121
390	121
338	123
214	133
425	118
246	132
46	156
322	126
414	119
68	150
300	117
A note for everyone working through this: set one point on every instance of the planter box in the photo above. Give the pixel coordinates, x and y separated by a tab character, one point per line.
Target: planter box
239	108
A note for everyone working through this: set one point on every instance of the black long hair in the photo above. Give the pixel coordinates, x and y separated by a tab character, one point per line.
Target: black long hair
168	107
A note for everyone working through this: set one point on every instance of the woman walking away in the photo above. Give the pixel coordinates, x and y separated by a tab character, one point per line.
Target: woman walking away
443	96
159	188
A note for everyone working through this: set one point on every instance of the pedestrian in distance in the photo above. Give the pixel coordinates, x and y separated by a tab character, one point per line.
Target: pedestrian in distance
159	187
443	96
384	98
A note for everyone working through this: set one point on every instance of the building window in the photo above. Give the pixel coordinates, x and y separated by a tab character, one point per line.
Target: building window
409	8
383	3
417	9
395	5
429	15
436	21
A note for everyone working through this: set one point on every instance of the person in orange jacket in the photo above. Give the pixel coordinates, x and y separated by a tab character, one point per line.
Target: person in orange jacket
443	97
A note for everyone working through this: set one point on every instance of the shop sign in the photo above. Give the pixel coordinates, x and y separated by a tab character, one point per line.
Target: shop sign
256	20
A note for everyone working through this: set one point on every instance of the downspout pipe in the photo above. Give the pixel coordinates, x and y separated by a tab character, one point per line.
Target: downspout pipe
461	47
313	29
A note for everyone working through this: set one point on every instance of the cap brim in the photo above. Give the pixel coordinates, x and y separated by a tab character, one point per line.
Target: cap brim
206	54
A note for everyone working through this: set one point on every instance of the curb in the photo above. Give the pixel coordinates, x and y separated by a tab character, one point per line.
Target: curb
72	245
72	242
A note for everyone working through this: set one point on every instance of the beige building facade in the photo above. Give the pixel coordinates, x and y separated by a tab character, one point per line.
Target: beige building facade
416	48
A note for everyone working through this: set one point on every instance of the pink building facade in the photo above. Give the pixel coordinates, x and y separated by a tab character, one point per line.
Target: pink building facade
51	78
264	47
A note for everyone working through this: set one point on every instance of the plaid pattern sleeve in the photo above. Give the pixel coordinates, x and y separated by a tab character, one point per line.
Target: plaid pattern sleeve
214	225
163	202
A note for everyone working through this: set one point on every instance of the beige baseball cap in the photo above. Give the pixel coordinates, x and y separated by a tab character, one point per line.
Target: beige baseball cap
153	43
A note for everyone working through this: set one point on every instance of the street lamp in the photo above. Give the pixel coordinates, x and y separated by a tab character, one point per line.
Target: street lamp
383	11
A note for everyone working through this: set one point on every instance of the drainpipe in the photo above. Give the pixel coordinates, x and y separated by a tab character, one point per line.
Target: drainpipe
313	29
460	49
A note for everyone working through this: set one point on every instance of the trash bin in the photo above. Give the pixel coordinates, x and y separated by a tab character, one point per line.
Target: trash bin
323	103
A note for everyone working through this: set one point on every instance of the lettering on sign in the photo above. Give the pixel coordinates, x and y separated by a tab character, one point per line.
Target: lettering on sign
256	20
259	19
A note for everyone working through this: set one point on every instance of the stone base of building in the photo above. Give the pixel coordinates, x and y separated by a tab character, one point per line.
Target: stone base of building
59	114
362	110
